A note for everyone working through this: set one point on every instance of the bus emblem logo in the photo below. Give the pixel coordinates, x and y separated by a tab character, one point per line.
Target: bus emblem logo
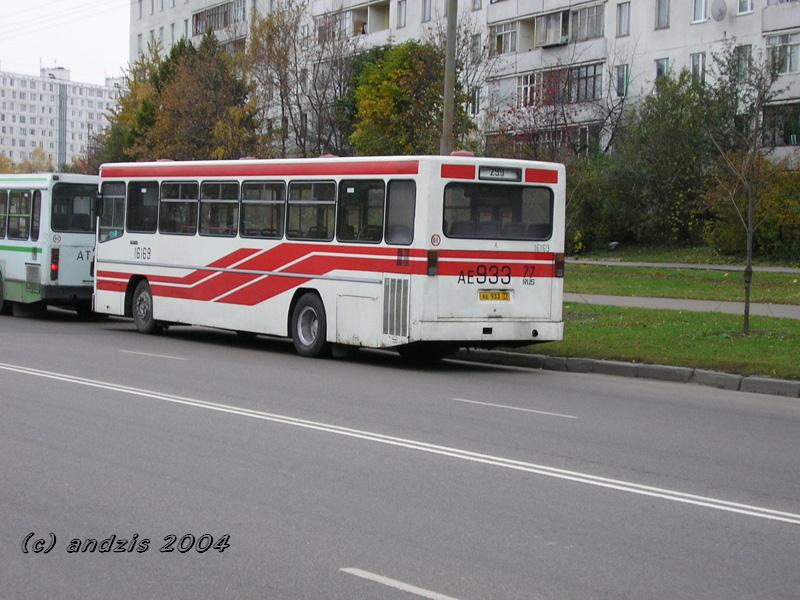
435	239
56	239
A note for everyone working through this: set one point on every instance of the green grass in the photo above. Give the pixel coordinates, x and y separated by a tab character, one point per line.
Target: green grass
777	288
703	340
692	255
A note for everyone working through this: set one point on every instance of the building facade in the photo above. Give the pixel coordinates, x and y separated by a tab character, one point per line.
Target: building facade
53	113
598	51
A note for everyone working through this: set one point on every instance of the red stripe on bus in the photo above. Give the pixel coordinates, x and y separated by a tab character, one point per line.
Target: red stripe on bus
299	169
490	256
541	176
458	171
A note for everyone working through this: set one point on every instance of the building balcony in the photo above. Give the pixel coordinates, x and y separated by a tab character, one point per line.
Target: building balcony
777	17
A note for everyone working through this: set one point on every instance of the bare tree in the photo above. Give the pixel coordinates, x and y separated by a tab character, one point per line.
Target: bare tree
743	90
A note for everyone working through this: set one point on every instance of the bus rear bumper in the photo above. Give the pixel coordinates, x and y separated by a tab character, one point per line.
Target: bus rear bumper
488	333
66	294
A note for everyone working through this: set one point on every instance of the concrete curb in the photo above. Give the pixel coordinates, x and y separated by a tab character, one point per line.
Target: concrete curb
726	381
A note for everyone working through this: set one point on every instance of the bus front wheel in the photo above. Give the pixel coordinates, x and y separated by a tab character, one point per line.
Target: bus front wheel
309	327
142	308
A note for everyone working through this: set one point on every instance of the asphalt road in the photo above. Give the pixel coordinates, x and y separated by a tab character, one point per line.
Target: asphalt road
368	479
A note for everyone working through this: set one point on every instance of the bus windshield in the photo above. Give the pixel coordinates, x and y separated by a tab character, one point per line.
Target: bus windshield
73	208
485	211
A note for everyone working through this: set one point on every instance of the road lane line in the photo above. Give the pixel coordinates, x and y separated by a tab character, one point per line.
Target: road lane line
396	584
151	355
519	408
487	459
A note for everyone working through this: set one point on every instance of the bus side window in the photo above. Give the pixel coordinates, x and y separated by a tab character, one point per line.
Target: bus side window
178	207
142	206
219	208
311	211
19	214
112	216
3	212
263	206
360	211
36	215
400	203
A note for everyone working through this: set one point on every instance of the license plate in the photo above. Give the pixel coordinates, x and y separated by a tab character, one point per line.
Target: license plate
494	295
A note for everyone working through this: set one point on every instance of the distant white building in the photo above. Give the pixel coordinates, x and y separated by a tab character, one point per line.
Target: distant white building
600	48
52	112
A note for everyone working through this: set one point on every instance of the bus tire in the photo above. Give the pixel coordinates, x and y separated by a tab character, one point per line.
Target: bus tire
5	307
142	308
310	326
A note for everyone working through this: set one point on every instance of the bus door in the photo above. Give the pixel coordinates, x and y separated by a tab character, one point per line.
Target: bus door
72	234
495	261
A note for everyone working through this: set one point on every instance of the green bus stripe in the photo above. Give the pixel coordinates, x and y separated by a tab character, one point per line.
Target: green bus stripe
21	249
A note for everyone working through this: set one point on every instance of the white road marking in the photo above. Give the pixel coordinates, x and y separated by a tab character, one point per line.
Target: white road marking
519	408
398	585
476	457
150	354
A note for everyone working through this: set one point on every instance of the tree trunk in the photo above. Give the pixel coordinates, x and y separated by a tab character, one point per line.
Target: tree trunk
748	269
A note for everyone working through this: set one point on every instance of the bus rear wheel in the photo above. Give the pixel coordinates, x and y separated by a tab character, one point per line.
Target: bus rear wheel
310	326
142	308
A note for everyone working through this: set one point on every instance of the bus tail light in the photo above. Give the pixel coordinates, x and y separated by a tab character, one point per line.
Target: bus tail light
559	265
433	262
54	264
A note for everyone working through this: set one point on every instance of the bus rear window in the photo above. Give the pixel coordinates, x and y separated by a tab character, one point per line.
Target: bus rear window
485	211
73	208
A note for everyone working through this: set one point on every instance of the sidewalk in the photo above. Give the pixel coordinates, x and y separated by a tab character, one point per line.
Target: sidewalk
668	265
785	311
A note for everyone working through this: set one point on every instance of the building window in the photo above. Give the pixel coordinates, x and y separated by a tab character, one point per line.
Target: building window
475	49
218	17
139	43
476	4
401	14
587	23
622	74
552	29
698	11
698	61
152	6
585	83
743	58
623	19
504	38
782	125
784	52
745	6
662	14
662	67
426	11
172	33
529	89
140	9
474	105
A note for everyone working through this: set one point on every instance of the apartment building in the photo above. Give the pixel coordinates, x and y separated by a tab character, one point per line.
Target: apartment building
52	112
602	48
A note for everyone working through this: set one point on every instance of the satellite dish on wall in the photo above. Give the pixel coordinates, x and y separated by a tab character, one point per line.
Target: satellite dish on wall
718	10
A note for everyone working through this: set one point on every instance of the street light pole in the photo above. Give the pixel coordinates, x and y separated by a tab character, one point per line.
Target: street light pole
446	143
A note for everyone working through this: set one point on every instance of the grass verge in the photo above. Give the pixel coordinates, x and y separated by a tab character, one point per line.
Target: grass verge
690	254
777	288
667	337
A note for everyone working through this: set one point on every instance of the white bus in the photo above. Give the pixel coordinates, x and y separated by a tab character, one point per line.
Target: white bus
47	237
424	254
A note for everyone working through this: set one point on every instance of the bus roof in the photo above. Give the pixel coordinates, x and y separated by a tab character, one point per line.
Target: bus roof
43	180
299	167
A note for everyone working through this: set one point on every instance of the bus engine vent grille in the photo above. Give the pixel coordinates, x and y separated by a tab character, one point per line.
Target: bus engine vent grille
395	306
32	278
